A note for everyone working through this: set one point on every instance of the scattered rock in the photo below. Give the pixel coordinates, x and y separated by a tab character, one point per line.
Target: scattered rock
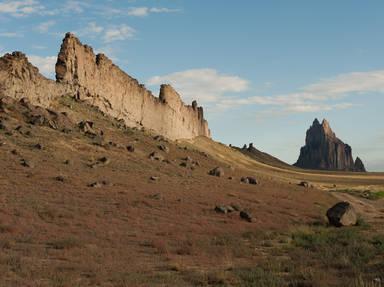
304	184
87	128
154	178
159	138
130	148
98	184
224	209
249	180
60	178
246	215
342	214
188	158
67	161
217	171
26	163
14	152
156	156
100	162
38	146
163	148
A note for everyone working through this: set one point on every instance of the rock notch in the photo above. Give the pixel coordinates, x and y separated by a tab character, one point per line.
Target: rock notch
323	150
95	79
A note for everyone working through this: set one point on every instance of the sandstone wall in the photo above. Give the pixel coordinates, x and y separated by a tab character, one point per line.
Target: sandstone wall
20	79
96	79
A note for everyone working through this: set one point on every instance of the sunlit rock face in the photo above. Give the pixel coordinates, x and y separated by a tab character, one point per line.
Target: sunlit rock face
95	79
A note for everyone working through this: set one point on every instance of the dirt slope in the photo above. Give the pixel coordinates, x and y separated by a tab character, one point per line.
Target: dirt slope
77	208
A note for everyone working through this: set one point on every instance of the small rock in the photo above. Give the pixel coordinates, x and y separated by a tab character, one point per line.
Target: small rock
60	178
188	158
304	184
14	152
163	148
342	214
156	156
246	216
26	163
249	180
154	178
99	184
130	148
217	171
159	138
67	161
87	128
221	209
38	146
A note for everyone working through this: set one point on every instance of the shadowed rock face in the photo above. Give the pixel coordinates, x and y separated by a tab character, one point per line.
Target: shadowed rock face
323	150
96	80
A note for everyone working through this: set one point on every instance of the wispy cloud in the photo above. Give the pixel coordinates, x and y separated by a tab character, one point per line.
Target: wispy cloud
203	85
145	11
118	33
107	34
74	6
46	65
217	91
20	8
45	26
11	34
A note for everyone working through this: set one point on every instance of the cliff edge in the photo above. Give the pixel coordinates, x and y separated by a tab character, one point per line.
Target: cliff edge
96	80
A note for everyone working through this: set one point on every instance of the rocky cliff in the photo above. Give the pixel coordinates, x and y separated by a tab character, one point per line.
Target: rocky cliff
20	79
323	150
95	79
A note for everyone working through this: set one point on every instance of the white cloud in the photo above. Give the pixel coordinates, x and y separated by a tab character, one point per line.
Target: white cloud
44	26
74	6
203	85
11	35
212	89
119	33
46	65
145	11
91	30
20	8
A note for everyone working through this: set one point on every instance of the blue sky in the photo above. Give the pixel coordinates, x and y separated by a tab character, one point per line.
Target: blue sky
263	70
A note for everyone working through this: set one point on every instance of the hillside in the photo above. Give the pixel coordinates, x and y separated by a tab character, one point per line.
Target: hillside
83	203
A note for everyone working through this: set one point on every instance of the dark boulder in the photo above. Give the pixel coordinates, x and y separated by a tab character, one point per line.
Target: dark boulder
342	214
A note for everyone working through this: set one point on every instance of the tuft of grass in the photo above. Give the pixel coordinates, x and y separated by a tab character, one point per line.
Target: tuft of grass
257	276
368	194
344	248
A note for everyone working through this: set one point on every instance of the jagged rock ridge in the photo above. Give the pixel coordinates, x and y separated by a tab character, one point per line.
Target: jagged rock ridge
95	79
323	150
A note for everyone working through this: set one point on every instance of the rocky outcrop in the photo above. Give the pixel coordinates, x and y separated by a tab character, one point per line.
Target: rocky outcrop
359	165
20	79
95	79
323	150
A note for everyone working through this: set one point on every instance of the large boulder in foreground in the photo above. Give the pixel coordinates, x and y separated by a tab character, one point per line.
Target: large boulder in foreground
342	214
323	150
